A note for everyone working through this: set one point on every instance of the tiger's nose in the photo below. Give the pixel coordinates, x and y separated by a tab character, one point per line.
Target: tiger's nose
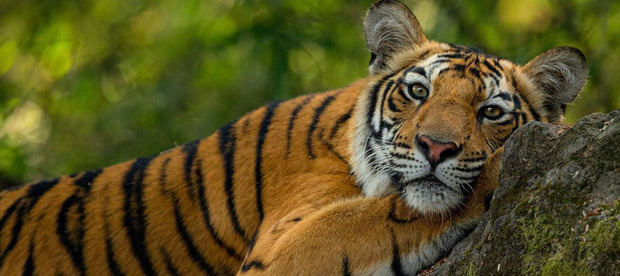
436	151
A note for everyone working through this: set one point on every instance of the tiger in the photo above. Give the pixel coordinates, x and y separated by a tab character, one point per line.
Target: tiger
382	177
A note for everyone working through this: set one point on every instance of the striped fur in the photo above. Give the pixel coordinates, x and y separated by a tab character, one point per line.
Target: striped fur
330	183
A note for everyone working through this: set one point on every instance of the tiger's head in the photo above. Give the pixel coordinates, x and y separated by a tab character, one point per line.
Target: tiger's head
436	111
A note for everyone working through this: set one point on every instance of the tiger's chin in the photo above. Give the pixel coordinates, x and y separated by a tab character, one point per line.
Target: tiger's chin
430	196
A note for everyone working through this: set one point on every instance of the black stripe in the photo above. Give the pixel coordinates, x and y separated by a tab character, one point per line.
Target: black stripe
169	265
8	212
134	218
424	55
459	68
482	158
396	165
292	119
418	70
505	123
392	105
495	80
36	191
456	68
372	104
474	169
29	266
402	145
345	117
440	61
383	98
163	176
258	167
401	156
454	55
492	68
444	70
252	264
23	206
475	72
464	178
188	241
252	243
397	266
459	48
113	266
516	102
75	247
346	270
516	118
227	142
86	180
403	95
489	144
109	250
315	120
206	217
503	95
496	62
372	108
531	109
190	149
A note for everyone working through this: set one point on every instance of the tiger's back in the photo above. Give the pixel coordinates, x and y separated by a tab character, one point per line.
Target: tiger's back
205	199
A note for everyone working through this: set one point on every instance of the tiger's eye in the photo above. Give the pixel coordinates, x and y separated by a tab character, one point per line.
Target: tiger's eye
419	92
492	112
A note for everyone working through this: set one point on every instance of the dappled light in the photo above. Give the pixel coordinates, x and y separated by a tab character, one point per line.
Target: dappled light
91	83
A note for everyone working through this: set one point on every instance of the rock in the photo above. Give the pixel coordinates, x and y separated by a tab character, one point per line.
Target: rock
557	210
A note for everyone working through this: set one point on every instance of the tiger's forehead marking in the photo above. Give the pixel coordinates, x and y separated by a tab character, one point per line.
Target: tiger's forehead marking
488	76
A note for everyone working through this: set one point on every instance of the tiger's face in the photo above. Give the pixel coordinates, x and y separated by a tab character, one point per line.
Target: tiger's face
436	111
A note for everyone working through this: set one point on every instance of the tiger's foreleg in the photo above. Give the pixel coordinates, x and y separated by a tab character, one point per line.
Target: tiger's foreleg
366	236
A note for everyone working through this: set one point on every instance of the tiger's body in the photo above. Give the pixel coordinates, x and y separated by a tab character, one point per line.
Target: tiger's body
381	177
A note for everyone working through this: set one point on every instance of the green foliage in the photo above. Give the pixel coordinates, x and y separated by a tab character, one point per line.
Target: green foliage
85	84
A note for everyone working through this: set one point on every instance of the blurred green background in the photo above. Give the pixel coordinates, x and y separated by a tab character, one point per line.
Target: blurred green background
86	84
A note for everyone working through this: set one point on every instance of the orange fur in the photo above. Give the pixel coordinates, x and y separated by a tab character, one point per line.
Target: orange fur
362	232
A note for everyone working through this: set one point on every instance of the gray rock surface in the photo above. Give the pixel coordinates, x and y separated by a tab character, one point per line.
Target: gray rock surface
557	211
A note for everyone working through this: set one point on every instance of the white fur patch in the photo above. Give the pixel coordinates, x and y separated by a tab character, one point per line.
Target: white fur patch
425	255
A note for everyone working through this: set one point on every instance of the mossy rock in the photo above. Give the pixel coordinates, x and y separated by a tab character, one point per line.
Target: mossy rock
557	211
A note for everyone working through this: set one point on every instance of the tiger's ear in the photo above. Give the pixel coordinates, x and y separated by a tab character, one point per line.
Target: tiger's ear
390	27
560	74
